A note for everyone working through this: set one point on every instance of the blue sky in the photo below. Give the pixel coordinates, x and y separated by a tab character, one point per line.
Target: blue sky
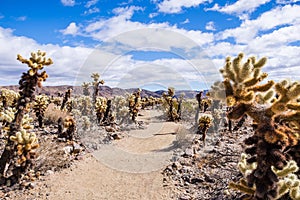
152	44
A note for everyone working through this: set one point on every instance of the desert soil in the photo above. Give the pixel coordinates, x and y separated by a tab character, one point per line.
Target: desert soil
129	168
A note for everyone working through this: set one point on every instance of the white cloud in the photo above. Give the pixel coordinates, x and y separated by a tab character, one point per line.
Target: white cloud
68	2
72	29
286	1
210	26
175	6
287	15
91	3
21	18
186	21
91	11
277	38
152	15
241	7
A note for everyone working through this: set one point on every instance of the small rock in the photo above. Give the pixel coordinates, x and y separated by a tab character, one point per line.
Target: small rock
110	129
49	172
188	152
76	148
116	136
196	180
31	185
68	149
176	165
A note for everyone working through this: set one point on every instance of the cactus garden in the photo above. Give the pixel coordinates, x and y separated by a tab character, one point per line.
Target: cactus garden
239	140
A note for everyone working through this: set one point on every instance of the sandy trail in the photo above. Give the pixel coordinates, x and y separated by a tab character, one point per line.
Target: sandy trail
129	168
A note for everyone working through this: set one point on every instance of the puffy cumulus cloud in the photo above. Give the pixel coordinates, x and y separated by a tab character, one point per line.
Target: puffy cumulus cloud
68	2
277	38
279	16
72	29
241	7
175	6
67	60
210	26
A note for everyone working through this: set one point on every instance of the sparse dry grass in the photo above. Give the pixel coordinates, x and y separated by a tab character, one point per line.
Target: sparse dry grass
53	113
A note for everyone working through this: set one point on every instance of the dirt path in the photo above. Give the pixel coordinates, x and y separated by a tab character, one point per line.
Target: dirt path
129	168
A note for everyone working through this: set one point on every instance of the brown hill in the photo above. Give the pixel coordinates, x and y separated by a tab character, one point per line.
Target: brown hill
103	91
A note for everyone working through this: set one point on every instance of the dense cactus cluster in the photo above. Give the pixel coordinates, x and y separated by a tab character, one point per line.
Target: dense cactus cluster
275	112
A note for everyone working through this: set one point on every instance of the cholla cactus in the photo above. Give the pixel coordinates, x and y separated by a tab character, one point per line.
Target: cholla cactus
8	98
288	182
274	134
66	100
86	124
204	122
206	103
134	104
57	101
96	84
85	88
172	105
100	108
120	108
7	116
84	104
39	106
68	130
26	144
28	82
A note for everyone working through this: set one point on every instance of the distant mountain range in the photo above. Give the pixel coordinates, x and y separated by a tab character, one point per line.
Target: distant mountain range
104	91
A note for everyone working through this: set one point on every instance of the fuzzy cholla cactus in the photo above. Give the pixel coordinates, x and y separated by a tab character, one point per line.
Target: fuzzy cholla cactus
36	62
134	104
288	182
172	105
96	83
39	106
100	108
67	128
85	89
276	120
204	122
8	98
26	144
29	80
7	116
